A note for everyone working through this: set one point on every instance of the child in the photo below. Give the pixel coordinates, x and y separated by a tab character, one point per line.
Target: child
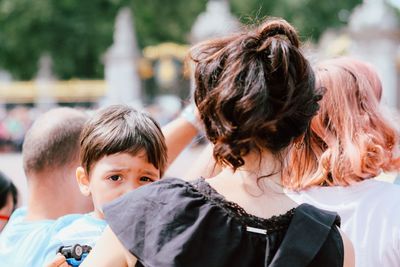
121	149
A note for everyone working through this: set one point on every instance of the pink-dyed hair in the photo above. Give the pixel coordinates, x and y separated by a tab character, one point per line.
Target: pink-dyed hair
351	138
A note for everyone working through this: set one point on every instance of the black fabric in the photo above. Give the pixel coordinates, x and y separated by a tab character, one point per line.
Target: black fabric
175	223
317	233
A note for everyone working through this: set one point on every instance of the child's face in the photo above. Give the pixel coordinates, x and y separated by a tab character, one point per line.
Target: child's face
114	175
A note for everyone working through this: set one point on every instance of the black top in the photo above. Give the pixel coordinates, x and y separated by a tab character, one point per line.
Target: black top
173	223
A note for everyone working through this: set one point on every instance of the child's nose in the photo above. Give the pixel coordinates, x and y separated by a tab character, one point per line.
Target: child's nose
131	186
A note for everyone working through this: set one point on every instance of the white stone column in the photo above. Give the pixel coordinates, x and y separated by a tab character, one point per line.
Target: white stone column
44	81
214	22
120	60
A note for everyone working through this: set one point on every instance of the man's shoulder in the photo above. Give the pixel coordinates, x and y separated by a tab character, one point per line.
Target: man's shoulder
78	220
18	227
66	220
78	225
21	242
18	215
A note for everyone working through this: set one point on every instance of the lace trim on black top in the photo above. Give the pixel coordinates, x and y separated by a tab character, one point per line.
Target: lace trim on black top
275	223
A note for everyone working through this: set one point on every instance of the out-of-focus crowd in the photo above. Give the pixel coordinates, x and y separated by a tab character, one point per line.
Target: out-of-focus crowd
13	125
16	120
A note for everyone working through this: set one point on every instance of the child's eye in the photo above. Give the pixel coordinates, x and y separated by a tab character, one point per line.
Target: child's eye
115	178
146	179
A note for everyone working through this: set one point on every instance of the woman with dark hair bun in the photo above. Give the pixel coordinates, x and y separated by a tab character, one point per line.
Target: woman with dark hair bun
8	199
256	96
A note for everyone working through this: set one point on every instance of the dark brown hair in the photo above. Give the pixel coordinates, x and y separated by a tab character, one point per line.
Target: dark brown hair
254	90
53	140
118	129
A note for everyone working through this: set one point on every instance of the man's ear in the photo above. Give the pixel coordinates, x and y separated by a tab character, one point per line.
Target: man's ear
83	181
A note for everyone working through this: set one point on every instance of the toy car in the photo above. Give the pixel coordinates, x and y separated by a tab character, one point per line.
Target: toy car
75	254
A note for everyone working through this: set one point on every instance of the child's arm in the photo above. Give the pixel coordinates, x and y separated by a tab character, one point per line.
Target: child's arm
109	252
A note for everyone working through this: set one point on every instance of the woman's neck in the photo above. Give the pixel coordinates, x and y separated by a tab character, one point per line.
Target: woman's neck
261	172
256	186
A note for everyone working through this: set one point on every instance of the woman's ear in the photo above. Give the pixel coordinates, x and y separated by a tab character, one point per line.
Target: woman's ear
83	181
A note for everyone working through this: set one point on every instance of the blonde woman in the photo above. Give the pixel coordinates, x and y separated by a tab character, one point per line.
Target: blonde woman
352	141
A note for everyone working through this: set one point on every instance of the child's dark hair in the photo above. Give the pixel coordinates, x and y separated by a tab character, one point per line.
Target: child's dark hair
6	188
118	129
254	90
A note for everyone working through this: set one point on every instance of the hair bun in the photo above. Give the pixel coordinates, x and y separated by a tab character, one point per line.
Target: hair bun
254	90
278	27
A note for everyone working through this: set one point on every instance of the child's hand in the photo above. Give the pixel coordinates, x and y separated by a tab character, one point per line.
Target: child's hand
59	261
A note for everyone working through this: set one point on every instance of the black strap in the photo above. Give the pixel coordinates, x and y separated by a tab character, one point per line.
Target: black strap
305	236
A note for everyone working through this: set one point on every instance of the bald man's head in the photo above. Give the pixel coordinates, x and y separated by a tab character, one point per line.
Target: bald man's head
53	140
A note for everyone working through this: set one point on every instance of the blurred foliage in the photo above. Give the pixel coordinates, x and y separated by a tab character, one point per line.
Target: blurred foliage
310	17
76	33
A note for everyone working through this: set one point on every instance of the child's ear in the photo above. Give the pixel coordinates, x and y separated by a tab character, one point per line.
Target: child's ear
83	181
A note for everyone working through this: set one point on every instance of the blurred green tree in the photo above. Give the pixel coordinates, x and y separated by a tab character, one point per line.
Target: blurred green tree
76	33
311	17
